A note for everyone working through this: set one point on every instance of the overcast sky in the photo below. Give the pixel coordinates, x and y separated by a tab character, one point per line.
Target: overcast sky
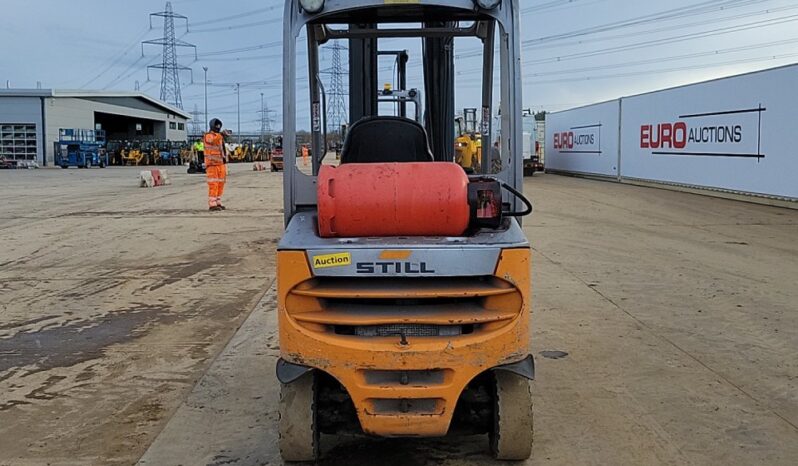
575	52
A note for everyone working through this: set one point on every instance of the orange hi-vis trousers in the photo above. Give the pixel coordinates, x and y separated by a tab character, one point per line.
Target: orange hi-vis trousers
217	176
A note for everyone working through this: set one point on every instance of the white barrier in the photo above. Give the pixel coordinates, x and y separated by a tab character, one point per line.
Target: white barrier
154	178
731	134
584	140
734	134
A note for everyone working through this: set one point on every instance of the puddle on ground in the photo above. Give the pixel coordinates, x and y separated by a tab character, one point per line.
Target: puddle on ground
554	354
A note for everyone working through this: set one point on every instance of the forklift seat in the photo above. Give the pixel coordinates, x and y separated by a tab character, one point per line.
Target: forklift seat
386	139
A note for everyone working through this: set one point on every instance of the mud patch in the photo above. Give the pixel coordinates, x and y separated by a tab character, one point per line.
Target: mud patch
132	213
202	262
41	392
24	323
77	342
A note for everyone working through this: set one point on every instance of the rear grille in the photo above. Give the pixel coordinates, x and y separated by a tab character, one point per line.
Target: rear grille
404	307
411	378
406	406
409	330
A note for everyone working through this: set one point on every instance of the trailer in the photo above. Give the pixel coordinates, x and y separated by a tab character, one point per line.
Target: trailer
82	148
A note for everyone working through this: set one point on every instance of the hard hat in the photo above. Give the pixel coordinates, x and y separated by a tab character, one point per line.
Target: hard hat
216	124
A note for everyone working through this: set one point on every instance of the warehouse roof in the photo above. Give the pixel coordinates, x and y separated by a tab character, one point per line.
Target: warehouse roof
83	94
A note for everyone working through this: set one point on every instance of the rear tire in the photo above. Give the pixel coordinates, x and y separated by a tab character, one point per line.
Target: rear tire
512	435
299	434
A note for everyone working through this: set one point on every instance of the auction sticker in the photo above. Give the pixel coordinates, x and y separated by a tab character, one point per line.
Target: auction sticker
332	260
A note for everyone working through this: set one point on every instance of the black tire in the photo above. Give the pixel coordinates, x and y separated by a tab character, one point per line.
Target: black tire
513	434
298	431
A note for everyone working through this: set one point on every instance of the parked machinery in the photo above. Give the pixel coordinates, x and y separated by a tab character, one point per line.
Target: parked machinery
276	158
132	153
164	152
115	150
82	148
184	151
532	147
261	152
242	152
196	160
468	145
151	152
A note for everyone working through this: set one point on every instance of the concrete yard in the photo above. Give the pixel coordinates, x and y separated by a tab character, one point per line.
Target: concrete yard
135	326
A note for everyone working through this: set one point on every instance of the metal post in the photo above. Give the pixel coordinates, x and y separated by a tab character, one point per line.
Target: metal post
238	98
205	68
262	119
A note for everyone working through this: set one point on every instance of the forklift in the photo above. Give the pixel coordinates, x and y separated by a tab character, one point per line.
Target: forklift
403	284
276	161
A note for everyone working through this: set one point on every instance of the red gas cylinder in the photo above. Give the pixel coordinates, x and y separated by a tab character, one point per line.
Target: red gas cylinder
393	199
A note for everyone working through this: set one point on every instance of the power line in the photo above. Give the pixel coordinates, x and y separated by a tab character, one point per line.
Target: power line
675	13
649	61
648	32
552	5
668	40
235	16
236	27
669	70
250	48
118	58
667	15
237	59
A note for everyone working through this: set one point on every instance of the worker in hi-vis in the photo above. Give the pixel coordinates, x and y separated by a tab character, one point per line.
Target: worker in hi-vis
215	160
199	152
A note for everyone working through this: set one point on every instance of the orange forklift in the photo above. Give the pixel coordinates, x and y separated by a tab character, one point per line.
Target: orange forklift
403	283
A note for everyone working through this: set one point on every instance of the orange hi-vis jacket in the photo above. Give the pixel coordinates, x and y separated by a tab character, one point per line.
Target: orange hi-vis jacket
214	149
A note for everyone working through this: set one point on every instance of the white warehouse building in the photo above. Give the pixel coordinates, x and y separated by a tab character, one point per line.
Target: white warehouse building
30	119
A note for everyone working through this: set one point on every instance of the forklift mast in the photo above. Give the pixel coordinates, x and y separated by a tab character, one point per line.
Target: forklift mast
437	23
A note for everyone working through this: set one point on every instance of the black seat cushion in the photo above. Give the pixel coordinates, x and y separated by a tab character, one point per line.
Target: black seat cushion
385	139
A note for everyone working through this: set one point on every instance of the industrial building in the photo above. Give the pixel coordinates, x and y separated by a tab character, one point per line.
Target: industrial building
30	119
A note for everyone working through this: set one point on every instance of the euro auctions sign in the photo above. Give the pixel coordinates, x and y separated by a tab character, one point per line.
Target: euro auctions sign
723	133
579	140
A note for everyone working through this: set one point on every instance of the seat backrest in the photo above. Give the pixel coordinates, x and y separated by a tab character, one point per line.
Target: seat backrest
386	139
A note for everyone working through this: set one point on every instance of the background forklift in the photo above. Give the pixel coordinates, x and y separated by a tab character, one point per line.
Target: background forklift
386	328
276	161
468	145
